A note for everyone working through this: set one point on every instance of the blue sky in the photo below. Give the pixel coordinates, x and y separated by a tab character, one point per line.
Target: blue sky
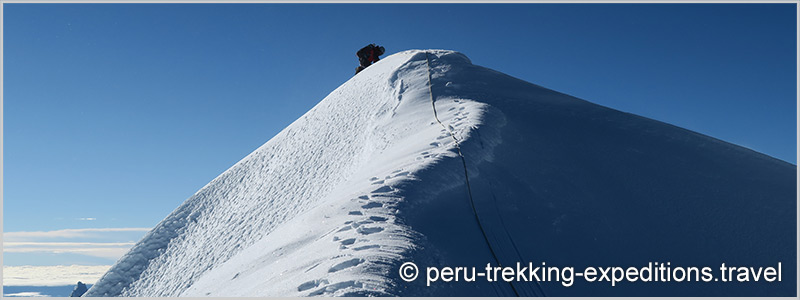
114	114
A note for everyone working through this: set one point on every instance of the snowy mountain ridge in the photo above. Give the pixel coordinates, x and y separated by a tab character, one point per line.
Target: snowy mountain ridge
345	153
426	158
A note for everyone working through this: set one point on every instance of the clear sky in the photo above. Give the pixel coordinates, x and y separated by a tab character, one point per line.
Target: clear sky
114	114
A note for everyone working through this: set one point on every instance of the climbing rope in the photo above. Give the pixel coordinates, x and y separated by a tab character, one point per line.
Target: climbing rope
466	174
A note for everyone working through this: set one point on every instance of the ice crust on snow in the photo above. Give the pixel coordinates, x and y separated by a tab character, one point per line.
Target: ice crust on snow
369	179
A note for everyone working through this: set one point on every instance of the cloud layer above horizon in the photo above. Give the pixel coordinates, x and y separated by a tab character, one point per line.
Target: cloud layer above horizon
65	256
51	275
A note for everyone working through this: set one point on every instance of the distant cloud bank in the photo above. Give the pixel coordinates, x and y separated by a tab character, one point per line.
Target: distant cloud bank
106	244
24	294
96	242
24	236
103	250
51	275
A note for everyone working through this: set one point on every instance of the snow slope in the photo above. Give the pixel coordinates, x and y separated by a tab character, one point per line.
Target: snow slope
425	157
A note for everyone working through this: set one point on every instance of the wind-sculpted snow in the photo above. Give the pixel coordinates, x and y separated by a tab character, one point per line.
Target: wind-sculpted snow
299	195
426	158
559	180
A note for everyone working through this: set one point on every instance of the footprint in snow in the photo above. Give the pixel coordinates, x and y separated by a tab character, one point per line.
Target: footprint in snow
377	218
362	248
372	205
311	284
346	264
369	230
378	182
336	286
401	174
355	213
350	225
344	243
383	189
359	223
435	144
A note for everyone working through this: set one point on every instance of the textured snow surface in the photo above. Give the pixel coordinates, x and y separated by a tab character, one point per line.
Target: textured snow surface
369	179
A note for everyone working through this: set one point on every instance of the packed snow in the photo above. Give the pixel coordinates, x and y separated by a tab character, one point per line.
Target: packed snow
424	157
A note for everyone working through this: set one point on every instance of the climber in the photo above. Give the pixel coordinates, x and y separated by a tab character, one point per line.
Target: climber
368	55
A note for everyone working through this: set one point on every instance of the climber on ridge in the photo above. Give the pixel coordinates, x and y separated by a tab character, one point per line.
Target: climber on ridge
368	55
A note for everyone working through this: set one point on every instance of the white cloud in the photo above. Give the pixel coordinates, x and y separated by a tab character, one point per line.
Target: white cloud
111	251
25	294
51	275
87	219
64	244
105	243
24	236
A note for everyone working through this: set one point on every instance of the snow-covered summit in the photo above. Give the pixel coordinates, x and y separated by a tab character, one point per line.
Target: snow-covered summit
426	158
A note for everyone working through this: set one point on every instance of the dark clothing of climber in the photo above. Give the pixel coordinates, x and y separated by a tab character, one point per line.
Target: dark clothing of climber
368	55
